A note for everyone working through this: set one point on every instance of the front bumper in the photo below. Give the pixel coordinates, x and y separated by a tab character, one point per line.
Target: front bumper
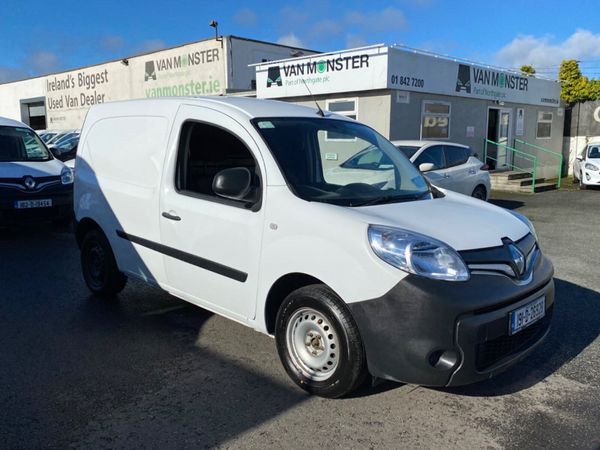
61	209
436	333
590	177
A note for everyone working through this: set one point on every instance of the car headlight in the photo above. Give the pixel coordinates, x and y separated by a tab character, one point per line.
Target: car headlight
417	254
590	166
66	176
526	221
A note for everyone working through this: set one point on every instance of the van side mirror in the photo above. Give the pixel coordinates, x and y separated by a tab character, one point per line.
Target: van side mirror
234	183
426	167
579	157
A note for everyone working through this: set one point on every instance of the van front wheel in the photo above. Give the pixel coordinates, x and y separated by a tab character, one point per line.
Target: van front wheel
100	270
318	342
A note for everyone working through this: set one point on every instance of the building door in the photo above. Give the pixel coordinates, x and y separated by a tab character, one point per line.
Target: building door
499	130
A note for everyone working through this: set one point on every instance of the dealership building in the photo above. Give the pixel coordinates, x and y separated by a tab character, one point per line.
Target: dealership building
216	66
411	94
401	92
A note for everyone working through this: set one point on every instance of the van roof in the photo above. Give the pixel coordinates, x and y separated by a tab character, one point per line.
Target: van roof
235	106
6	122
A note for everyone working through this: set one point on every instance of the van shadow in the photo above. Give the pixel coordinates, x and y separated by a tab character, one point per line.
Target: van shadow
201	388
575	325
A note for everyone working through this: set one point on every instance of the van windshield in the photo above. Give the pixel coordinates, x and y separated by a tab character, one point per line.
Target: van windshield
21	144
340	162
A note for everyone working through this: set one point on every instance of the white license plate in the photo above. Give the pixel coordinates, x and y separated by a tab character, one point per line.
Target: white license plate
24	204
526	315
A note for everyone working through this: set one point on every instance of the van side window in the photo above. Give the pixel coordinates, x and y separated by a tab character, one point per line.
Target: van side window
205	150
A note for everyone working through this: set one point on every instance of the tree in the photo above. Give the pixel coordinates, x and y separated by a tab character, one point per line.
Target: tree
528	69
575	87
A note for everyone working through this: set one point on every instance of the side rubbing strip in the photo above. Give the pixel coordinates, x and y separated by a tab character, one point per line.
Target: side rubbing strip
211	266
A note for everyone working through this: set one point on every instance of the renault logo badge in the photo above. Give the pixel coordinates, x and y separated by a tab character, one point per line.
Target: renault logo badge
29	183
518	259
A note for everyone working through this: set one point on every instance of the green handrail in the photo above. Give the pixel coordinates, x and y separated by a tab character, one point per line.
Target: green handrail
560	156
527	156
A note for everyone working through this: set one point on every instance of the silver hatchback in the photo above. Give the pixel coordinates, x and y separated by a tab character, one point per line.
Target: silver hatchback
449	166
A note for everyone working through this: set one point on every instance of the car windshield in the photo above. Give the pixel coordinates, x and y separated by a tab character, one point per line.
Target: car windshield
408	150
340	162
594	152
21	144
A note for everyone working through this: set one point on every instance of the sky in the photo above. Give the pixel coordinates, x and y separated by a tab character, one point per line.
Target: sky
39	37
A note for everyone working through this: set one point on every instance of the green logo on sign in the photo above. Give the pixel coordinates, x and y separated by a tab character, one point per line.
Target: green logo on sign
502	81
321	66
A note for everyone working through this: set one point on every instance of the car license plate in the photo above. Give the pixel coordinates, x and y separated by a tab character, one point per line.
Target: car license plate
526	315
24	204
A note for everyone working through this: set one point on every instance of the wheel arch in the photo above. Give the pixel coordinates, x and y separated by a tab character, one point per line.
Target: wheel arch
283	287
83	227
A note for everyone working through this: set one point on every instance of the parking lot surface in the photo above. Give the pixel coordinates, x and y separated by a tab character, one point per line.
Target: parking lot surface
150	371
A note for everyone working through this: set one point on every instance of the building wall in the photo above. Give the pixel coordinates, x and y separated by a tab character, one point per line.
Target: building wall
405	123
581	125
208	67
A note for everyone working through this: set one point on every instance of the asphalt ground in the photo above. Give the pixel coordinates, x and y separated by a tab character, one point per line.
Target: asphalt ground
150	371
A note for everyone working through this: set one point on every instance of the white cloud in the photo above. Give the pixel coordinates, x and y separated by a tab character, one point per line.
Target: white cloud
290	39
388	19
545	52
151	45
8	74
112	42
355	40
245	17
42	61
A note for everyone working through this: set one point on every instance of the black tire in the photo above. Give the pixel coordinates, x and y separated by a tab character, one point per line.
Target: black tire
582	186
342	344
480	192
100	270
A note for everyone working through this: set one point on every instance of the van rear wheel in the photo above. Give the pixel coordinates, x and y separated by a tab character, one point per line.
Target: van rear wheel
480	193
100	270
319	343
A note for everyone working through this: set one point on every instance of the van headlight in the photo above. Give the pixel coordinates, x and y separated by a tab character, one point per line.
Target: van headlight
526	221
66	176
418	254
590	166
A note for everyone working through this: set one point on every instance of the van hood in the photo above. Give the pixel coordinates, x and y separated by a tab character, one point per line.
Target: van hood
462	222
19	169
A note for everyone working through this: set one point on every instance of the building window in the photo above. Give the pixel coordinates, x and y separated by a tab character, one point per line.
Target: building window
347	107
435	122
544	125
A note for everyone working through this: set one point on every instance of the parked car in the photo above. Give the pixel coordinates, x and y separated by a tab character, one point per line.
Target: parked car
65	138
449	166
66	150
33	184
58	136
224	202
586	167
46	135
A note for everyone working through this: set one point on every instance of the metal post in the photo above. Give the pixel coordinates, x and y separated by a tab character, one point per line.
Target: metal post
485	144
534	175
560	170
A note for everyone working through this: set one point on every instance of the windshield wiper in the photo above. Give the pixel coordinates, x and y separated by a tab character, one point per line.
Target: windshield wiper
391	199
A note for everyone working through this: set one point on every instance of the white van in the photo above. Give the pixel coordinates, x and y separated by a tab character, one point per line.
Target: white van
34	185
226	203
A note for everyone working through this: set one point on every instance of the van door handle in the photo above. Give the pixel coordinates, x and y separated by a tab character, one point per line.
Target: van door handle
170	216
446	175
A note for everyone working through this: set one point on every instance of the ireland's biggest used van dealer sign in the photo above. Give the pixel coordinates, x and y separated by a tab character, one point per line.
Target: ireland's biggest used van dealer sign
381	67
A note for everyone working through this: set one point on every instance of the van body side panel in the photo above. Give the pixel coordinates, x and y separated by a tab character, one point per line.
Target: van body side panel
324	241
119	174
212	252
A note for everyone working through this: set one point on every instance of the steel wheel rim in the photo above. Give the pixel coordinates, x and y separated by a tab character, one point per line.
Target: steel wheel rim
96	264
313	344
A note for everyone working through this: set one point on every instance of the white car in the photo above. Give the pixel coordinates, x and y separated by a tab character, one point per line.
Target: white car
34	185
586	167
449	166
225	203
